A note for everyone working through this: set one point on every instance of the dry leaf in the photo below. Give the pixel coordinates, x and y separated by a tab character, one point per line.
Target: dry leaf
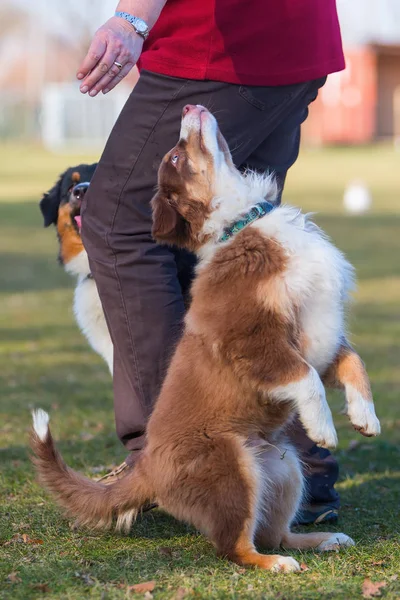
13	577
27	540
393	577
41	587
165	551
142	588
377	563
303	567
24	538
371	589
181	593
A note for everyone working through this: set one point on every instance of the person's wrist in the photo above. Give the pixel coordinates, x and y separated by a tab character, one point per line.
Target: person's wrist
132	8
126	26
147	10
137	24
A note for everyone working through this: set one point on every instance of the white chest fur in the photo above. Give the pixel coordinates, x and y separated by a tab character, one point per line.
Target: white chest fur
317	281
88	309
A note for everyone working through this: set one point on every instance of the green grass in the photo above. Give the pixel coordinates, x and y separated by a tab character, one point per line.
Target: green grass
46	362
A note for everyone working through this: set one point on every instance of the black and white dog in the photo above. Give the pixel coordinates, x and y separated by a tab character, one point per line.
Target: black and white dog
61	206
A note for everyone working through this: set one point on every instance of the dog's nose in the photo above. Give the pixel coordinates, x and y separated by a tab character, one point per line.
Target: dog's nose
79	191
187	109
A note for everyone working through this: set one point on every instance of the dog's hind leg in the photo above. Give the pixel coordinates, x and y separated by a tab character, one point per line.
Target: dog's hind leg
281	501
321	542
283	485
347	372
219	493
245	553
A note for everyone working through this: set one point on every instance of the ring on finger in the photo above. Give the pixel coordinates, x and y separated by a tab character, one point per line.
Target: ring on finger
118	64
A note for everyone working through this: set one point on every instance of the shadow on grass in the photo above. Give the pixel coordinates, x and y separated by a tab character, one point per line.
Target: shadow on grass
30	272
21	214
43	332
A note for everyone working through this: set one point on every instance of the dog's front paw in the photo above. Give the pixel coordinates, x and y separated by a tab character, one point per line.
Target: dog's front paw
324	437
370	427
315	413
362	415
320	428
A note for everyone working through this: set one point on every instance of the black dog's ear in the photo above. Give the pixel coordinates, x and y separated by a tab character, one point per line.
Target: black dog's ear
50	203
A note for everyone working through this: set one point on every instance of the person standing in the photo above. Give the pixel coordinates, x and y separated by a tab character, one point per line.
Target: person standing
257	66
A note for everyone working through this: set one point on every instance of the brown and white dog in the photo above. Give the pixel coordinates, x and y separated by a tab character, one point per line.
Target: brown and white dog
265	328
61	207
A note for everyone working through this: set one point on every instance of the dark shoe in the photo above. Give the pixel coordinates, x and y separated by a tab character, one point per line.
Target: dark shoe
315	514
118	473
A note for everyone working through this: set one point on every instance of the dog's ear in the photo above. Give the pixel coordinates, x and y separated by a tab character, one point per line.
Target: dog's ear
168	224
50	203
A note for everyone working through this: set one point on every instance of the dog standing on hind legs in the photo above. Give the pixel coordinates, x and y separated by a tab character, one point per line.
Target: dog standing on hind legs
264	329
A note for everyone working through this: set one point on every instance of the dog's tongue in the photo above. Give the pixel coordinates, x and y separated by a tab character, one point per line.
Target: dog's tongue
78	221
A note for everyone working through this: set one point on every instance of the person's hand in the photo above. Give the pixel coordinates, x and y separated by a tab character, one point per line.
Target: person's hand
115	41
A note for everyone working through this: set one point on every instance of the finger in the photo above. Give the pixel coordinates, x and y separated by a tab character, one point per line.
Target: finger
123	73
104	82
100	70
95	53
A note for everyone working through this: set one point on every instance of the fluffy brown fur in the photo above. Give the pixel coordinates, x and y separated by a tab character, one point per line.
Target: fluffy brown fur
216	455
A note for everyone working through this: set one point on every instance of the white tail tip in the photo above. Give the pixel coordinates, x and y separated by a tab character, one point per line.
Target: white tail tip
40	423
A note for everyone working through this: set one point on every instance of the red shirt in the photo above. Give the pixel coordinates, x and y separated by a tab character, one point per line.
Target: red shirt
253	42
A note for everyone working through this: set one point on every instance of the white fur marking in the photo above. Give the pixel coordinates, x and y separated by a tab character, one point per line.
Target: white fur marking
78	265
286	564
90	318
125	519
361	412
335	543
40	423
88	309
314	412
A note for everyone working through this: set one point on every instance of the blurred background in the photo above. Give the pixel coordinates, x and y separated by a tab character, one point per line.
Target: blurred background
348	172
41	47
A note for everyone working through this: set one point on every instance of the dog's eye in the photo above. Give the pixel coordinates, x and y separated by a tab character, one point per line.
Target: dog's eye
174	158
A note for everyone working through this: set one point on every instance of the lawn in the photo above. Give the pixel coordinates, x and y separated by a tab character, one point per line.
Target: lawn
46	362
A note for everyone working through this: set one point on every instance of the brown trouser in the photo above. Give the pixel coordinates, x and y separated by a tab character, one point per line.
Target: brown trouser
141	284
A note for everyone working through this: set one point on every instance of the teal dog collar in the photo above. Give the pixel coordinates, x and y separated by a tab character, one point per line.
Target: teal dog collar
259	210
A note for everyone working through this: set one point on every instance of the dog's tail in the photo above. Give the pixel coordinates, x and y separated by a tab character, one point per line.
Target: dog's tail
91	503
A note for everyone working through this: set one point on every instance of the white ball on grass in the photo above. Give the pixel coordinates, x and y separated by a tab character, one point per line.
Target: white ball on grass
357	198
